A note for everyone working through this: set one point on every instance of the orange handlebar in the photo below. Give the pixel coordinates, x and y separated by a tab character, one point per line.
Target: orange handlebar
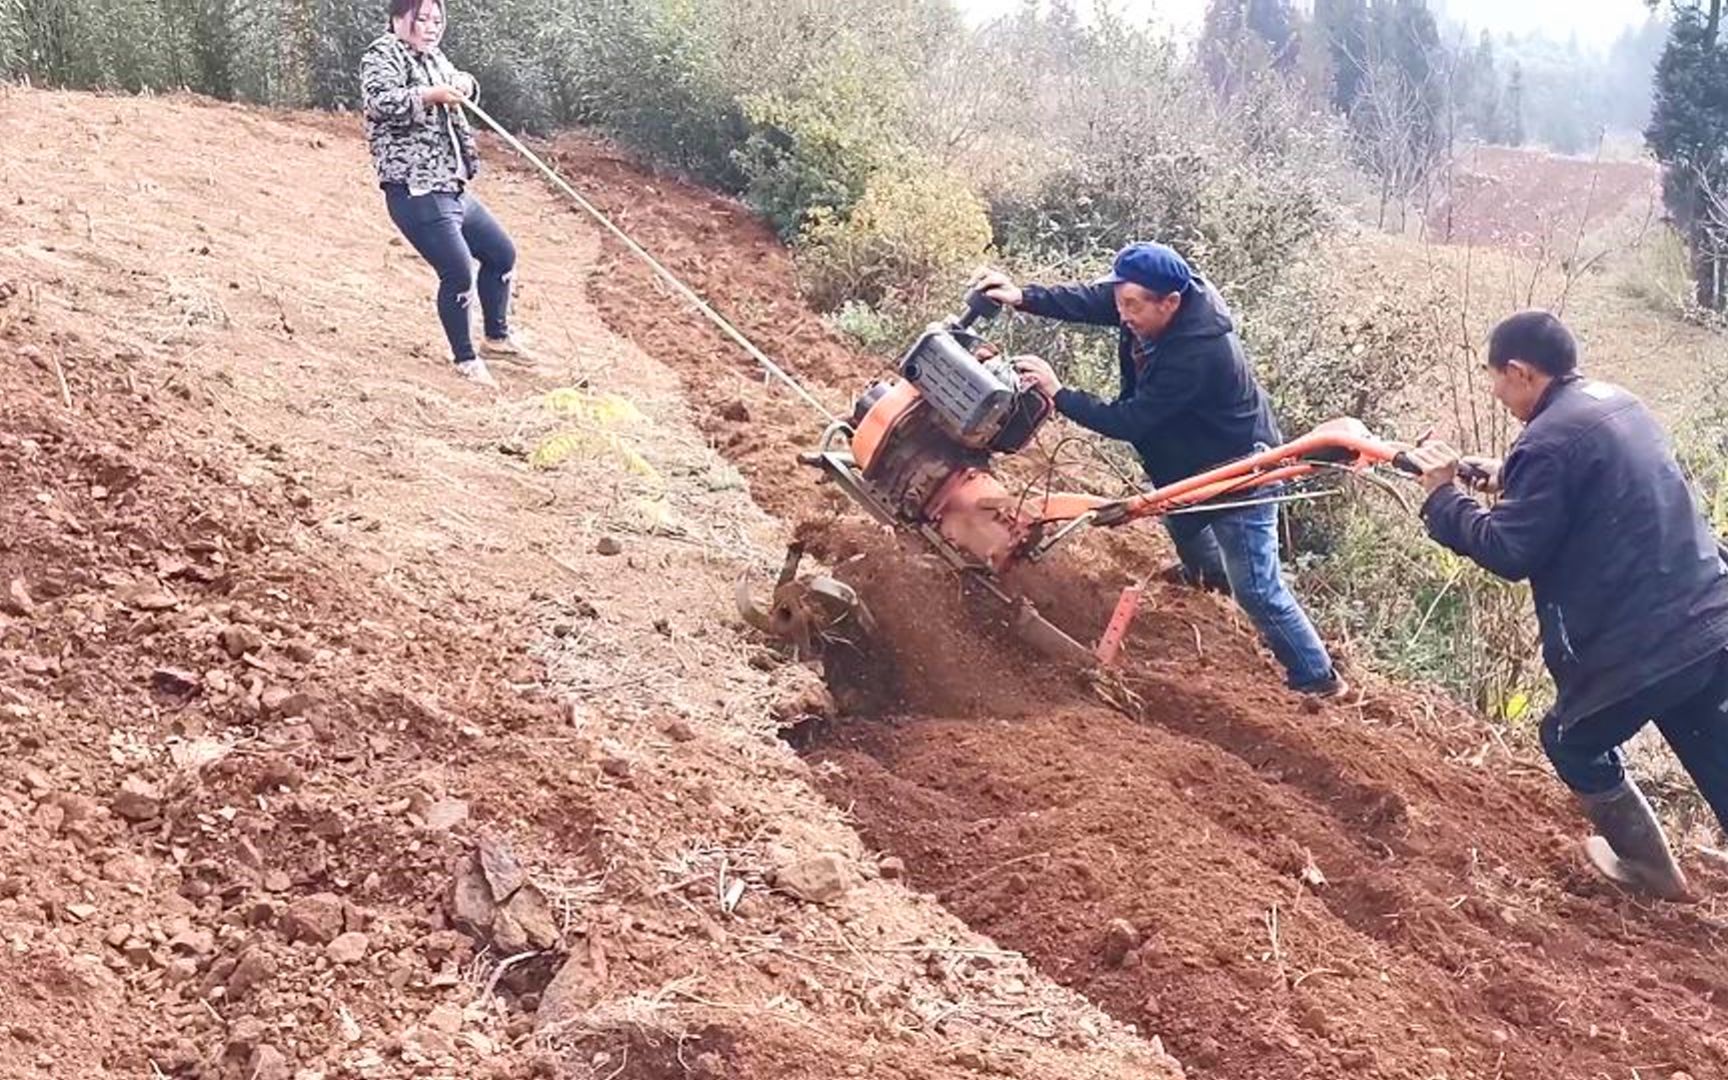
1344	442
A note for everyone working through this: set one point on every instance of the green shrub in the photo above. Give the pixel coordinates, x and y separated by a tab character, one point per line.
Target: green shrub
912	229
815	151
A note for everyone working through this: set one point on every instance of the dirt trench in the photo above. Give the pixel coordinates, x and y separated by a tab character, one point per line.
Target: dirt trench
1275	891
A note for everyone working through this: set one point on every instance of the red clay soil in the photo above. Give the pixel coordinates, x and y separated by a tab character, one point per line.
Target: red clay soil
1278	892
282	653
1537	203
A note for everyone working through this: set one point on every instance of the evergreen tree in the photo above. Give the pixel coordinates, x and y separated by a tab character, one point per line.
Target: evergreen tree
1482	104
1514	110
1223	36
1688	133
1274	22
1343	26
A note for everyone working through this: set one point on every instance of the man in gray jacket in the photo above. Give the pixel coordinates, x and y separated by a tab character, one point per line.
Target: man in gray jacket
1631	592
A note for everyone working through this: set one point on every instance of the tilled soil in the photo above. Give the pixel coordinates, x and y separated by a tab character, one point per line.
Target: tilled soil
338	740
1539	204
1279	892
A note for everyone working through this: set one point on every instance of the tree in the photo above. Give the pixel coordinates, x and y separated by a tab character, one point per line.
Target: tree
1514	118
1223	35
1688	133
1240	37
1274	23
1343	26
1481	93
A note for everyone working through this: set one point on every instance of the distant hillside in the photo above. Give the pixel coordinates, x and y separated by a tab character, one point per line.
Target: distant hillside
1532	202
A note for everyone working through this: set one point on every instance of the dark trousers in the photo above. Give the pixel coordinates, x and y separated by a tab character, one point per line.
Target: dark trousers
1690	709
452	232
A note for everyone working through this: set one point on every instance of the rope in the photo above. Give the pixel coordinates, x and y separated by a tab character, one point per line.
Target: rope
671	279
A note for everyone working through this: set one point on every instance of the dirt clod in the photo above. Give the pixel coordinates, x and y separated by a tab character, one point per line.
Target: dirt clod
348	948
609	545
317	918
138	800
1120	938
822	879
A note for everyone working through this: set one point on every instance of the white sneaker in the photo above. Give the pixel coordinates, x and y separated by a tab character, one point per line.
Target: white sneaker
475	371
510	349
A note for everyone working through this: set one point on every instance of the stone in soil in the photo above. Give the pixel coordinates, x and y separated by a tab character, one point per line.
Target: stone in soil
238	640
283	702
148	596
1120	938
349	948
819	880
446	814
316	918
267	1063
244	1036
503	872
138	800
17	599
175	683
255	968
609	545
471	906
446	1018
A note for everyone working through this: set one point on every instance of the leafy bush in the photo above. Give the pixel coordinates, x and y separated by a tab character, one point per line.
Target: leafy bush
912	229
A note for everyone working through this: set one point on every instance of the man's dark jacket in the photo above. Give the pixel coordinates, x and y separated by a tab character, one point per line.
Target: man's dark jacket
1195	404
1628	582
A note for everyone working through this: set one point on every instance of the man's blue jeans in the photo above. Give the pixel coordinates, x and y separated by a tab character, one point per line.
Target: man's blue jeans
1690	708
1242	546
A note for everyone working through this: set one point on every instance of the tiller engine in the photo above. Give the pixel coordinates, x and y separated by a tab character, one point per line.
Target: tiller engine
916	454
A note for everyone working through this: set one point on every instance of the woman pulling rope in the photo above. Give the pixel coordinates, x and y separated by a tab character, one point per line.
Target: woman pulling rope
425	155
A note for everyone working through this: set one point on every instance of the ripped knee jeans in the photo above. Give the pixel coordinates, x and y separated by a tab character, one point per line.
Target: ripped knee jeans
453	232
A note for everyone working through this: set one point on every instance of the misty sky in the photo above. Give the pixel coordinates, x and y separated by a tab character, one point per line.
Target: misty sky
1597	22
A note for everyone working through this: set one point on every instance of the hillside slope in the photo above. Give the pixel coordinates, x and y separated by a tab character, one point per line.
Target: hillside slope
295	632
1376	891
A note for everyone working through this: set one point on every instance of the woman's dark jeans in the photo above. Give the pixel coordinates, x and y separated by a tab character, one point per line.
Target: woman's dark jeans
452	231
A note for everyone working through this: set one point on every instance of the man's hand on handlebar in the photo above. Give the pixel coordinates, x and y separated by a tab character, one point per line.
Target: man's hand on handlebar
1438	463
1441	465
1481	473
999	287
1037	372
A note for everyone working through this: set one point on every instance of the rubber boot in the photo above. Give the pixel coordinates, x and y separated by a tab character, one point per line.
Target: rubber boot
1630	849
